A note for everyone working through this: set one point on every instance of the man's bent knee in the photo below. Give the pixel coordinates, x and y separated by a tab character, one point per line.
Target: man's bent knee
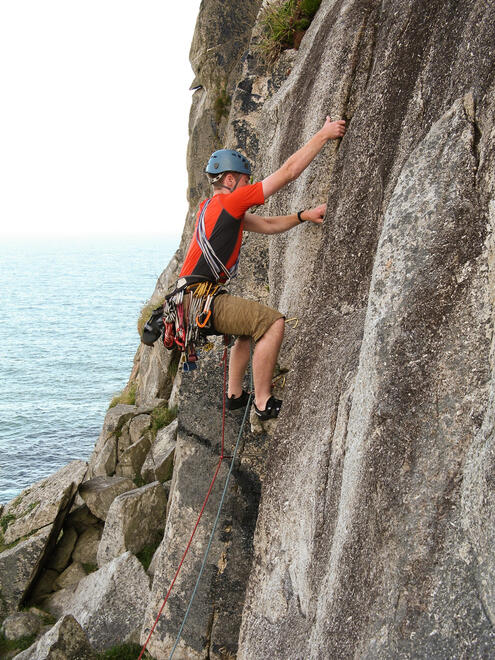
276	329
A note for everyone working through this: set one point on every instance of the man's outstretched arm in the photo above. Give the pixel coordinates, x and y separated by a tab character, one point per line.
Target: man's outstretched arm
298	162
279	223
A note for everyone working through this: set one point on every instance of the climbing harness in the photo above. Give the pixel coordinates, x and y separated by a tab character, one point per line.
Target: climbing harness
185	319
220	506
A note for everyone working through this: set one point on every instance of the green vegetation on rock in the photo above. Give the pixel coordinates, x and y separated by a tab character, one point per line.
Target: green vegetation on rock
162	416
7	645
7	546
9	518
284	23
173	367
146	554
139	482
124	652
221	106
32	506
90	568
6	520
127	396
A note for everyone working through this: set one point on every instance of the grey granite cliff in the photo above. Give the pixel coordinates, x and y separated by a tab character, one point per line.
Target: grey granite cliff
362	523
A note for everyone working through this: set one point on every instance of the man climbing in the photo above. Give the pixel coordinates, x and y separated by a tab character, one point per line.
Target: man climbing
214	253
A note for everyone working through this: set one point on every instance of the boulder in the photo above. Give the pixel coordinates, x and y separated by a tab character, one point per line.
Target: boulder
135	519
40	504
86	547
138	425
57	603
60	557
66	640
106	460
159	462
132	458
100	492
73	574
18	568
20	624
110	603
105	448
154	380
123	441
80	518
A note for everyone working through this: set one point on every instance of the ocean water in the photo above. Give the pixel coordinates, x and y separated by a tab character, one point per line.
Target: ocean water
67	341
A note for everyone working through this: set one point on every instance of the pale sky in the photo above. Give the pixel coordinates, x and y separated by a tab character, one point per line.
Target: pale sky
93	117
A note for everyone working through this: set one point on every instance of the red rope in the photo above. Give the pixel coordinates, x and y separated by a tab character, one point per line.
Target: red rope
224	360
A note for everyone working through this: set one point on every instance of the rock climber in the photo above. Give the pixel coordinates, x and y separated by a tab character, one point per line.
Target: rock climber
222	219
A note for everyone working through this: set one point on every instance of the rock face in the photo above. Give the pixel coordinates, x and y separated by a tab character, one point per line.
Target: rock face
215	615
20	624
104	458
86	548
109	604
159	462
361	524
369	542
71	576
100	492
65	641
18	568
376	520
63	550
135	519
41	504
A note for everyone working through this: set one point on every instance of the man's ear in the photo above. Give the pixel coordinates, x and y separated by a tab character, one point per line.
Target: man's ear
229	180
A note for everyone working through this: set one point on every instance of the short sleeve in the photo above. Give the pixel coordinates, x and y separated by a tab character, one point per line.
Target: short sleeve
238	202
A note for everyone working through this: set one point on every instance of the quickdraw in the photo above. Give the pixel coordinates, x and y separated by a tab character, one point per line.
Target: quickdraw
184	320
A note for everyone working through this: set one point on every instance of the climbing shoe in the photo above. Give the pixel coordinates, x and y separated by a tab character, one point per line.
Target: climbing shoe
271	410
240	402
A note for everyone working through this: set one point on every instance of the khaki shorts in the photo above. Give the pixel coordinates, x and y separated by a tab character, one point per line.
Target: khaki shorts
237	316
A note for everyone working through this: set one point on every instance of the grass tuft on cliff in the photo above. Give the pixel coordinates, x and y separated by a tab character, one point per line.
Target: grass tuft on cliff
284	24
6	520
162	416
146	554
221	107
124	652
8	646
127	396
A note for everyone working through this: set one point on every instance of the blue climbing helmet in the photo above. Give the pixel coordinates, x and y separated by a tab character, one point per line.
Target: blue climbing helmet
227	160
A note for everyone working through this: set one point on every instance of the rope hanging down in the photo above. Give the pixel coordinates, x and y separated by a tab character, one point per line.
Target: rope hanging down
220	460
203	564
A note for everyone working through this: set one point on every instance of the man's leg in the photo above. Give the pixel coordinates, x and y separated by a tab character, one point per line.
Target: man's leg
239	359
264	360
246	319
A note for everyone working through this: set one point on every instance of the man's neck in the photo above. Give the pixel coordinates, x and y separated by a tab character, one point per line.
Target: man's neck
222	191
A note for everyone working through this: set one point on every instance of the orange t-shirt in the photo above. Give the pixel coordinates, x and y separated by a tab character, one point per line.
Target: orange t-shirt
223	225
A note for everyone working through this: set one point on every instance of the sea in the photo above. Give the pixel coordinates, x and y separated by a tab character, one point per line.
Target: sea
68	315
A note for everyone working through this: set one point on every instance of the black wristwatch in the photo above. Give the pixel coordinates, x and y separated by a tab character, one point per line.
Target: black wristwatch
299	216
